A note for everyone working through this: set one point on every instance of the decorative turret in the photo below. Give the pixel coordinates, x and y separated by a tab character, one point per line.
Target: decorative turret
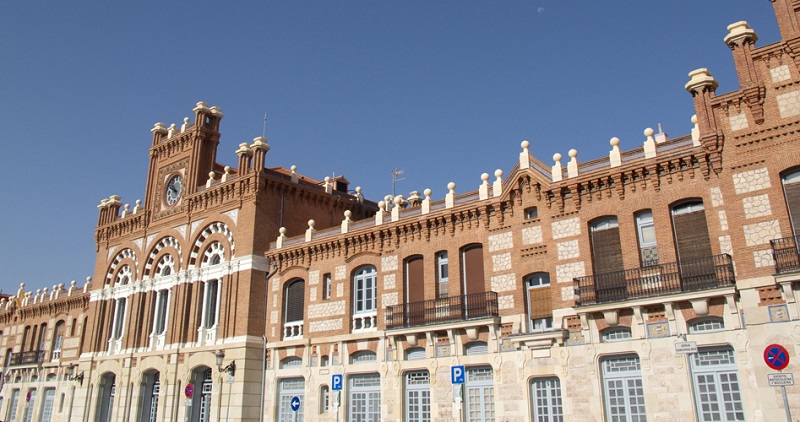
742	39
703	88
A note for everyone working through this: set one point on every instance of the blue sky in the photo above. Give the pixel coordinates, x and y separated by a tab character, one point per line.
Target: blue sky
445	90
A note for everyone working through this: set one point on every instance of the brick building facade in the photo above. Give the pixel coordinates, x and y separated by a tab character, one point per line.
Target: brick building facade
562	289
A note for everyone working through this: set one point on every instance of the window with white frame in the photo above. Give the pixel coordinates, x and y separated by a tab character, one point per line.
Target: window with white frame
479	394
622	388
58	339
291	362
414	353
160	314
706	325
476	348
214	254
716	385
210	303
418	396
326	286
364	397
540	302
123	276
287	389
442	275
12	408
363	357
324	398
646	232
119	318
31	405
546	400
364	290
611	335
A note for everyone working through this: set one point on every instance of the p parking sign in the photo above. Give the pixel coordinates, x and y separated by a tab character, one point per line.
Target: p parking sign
457	374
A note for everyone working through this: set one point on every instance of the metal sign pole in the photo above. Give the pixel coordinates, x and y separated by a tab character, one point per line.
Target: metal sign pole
786	403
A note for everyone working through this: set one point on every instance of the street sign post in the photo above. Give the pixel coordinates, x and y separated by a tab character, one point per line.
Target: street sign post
777	358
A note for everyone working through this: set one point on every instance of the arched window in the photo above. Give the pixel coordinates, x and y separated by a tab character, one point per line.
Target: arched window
413	353
691	230
108	389
293	309
606	246
706	324
365	290
213	255
151	389
442	275
166	266
611	335
540	302
473	276
646	233
476	348
123	276
58	339
291	362
363	357
201	400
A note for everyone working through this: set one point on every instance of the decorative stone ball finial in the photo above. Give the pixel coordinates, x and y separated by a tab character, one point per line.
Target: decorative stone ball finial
451	187
573	153
398	200
694	119
358	189
525	144
485	177
498	173
427	193
347	214
649	132
382	206
311	224
293	168
614	142
282	231
557	157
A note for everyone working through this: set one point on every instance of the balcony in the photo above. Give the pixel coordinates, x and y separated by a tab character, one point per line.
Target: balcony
442	311
26	358
786	254
675	277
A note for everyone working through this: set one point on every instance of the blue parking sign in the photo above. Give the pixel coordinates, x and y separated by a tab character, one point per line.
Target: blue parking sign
336	382
457	374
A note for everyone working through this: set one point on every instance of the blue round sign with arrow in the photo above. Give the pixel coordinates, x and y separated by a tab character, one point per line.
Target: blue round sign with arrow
776	357
295	403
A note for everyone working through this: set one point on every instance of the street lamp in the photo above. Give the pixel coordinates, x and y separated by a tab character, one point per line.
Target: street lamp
71	374
230	369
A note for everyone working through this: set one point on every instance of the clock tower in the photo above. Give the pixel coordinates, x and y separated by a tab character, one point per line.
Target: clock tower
181	159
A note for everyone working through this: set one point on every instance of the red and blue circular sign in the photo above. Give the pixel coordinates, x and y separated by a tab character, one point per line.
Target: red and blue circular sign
776	357
188	391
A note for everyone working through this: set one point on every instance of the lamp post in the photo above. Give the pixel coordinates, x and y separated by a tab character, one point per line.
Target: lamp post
231	370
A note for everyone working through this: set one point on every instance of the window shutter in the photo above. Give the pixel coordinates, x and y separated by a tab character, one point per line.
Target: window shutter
473	270
294	301
793	202
606	251
541	302
691	234
415	271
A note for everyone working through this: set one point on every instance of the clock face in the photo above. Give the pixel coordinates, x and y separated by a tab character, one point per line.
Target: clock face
174	189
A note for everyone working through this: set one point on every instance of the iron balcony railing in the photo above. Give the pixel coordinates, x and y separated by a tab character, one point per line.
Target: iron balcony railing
442	311
682	276
786	254
26	358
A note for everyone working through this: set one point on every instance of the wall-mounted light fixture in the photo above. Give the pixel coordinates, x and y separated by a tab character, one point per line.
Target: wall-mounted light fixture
71	374
230	369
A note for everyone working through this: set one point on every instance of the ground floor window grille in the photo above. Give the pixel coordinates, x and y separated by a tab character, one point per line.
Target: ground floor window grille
205	397
365	398
47	408
479	395
546	400
287	389
418	396
716	385
623	391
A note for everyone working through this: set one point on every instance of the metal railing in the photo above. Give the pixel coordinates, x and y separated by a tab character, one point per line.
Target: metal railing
26	358
682	276
442	311
786	254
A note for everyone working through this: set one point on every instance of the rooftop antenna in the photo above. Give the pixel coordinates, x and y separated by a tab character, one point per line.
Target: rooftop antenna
264	131
396	173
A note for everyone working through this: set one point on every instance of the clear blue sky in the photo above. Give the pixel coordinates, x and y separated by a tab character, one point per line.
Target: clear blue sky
445	90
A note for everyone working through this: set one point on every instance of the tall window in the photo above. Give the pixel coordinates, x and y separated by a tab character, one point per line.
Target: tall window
12	406
326	286
540	302
108	389
479	394
287	389
691	230
210	303
119	318
31	406
58	339
791	190
606	247
546	400
418	396
646	231
442	275
472	257
201	401
622	389
324	399
365	398
162	307
415	290
42	333
294	309
151	389
365	290
716	385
